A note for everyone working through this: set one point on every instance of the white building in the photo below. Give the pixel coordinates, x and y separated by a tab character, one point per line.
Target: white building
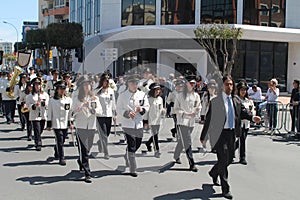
161	31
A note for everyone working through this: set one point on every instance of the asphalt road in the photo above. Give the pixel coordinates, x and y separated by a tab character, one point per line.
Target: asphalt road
273	170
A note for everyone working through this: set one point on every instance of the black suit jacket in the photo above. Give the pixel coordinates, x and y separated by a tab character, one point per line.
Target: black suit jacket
216	118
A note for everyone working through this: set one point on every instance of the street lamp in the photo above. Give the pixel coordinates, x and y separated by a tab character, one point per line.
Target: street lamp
5	22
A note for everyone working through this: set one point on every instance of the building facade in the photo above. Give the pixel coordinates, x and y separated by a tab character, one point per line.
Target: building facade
161	31
7	48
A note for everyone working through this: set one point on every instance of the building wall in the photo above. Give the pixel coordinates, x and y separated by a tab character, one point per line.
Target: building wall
292	14
110	14
293	64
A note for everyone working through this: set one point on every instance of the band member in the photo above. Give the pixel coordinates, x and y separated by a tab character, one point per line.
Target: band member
249	106
9	102
20	88
207	97
294	108
223	124
187	106
107	100
171	100
85	108
32	73
59	117
154	116
25	110
37	102
131	106
70	87
146	81
50	89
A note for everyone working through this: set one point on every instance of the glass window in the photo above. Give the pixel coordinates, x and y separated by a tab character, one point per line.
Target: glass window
88	17
177	11
138	12
218	11
79	11
264	13
72	11
97	16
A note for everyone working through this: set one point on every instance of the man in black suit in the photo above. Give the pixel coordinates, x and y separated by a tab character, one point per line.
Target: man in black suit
223	124
294	108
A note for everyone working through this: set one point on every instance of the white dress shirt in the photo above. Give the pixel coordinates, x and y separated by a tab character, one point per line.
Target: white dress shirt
108	102
226	125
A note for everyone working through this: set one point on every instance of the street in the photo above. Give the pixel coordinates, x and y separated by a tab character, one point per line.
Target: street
272	171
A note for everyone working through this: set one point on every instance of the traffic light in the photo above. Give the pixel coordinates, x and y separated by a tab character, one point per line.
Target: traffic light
79	54
1	57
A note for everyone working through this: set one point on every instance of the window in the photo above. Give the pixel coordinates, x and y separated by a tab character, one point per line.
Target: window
72	11
218	11
79	11
177	11
59	3
97	16
138	12
267	13
88	17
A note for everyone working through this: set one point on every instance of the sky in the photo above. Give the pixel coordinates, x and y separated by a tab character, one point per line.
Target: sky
15	12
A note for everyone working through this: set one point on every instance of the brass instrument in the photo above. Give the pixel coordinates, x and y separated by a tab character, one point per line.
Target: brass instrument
13	82
24	109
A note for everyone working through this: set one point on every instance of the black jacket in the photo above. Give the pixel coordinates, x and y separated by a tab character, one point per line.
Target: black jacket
216	118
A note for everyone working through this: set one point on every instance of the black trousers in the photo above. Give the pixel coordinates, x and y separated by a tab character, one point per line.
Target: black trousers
9	109
241	143
21	116
37	130
60	137
28	125
104	128
184	141
225	150
154	138
272	110
294	116
85	138
174	130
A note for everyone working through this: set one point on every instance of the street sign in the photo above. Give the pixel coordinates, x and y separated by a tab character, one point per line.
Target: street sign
109	54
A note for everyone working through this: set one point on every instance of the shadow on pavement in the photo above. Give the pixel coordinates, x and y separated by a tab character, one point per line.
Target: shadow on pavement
18	149
74	175
206	193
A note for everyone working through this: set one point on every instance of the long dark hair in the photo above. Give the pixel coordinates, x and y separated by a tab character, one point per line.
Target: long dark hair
238	93
100	85
56	96
81	93
185	90
20	82
151	93
35	91
27	91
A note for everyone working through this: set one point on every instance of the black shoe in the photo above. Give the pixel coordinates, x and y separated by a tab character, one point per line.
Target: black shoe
149	148
133	174
38	148
215	179
228	195
29	139
62	162
178	161
173	130
193	168
88	179
243	162
157	154
8	122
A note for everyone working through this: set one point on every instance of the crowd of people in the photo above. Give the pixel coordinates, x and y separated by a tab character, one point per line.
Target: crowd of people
88	104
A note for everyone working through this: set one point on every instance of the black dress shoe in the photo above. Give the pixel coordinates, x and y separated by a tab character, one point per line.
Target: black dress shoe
149	148
178	161
88	179
215	179
228	195
29	139
193	168
62	162
243	162
38	148
133	174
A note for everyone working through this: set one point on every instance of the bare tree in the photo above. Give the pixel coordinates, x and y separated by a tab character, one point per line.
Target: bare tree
220	38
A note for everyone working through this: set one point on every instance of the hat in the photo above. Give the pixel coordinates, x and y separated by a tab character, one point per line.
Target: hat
241	85
55	71
274	80
154	86
36	80
254	86
66	75
133	78
60	84
212	84
83	79
147	70
31	68
179	83
105	76
39	74
191	78
23	75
